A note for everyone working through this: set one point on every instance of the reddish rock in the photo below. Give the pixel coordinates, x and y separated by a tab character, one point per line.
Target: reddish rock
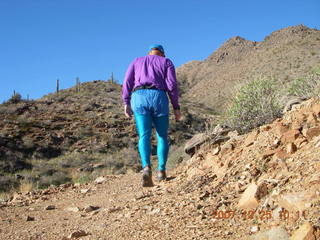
299	118
316	109
291	148
251	138
248	199
312	118
290	136
312	132
50	207
280	129
300	142
268	153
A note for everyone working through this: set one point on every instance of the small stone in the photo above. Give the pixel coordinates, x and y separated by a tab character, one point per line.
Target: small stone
73	209
84	191
78	234
98	165
90	208
227	147
291	148
50	207
29	218
155	211
268	153
100	180
248	199
276	143
281	154
254	229
251	138
216	150
312	132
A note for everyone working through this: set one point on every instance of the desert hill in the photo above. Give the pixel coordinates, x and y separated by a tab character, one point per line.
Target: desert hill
285	54
75	129
261	185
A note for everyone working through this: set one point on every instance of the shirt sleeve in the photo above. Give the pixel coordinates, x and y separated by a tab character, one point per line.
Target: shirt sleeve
128	84
171	82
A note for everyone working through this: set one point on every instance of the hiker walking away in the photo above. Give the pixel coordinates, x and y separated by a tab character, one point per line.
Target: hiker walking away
147	83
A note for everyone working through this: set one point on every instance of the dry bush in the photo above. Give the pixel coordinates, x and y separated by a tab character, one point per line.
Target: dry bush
254	104
25	186
307	86
56	179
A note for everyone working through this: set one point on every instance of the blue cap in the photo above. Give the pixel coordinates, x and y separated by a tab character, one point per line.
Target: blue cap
156	46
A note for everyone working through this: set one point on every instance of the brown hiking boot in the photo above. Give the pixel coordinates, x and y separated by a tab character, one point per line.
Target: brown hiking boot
147	177
162	176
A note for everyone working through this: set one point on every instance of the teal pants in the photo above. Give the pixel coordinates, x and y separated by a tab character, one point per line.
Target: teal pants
151	108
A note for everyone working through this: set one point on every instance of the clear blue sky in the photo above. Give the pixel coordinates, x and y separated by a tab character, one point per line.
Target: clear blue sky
42	40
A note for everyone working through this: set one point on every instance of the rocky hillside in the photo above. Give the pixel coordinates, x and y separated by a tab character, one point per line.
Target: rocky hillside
285	54
85	121
258	186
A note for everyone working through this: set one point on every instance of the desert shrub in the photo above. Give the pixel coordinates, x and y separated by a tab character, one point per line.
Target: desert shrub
306	87
56	179
253	105
8	183
74	160
43	168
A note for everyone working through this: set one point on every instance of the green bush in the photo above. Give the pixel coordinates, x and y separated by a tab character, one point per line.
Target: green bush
254	104
306	87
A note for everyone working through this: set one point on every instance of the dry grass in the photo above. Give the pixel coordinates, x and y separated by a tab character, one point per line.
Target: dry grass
25	186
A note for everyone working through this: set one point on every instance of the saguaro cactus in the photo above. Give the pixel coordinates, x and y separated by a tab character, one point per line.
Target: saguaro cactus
57	86
77	84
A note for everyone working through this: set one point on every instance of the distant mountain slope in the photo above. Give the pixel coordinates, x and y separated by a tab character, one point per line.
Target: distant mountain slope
285	54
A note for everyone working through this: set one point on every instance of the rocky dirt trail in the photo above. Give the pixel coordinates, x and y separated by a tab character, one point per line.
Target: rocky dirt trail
262	185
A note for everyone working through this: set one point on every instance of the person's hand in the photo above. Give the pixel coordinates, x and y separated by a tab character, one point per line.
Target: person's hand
177	114
128	111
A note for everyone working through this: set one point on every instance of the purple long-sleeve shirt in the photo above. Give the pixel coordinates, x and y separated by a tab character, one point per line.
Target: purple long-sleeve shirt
153	70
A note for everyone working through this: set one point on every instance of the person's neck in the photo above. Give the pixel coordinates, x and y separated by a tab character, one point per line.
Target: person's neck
152	54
